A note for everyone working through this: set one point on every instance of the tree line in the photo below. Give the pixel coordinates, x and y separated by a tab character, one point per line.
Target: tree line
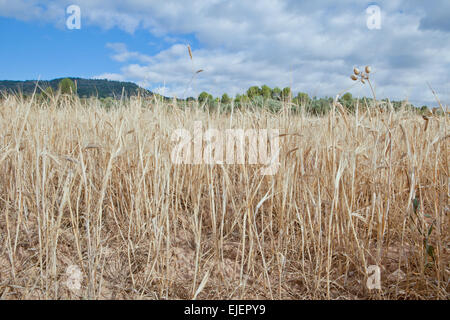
276	98
271	98
85	88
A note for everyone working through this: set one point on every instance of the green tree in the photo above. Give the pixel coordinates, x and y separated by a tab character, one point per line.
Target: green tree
266	92
347	100
286	93
225	99
67	86
424	109
347	97
205	97
253	92
276	93
302	98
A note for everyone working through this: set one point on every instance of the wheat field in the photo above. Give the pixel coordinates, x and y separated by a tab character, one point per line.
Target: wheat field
95	189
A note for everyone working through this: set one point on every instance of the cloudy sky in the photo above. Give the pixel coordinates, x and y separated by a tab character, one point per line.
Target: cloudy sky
311	46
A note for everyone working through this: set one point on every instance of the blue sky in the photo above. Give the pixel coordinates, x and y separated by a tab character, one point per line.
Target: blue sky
311	46
32	49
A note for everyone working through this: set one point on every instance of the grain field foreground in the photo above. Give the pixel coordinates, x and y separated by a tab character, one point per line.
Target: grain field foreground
92	207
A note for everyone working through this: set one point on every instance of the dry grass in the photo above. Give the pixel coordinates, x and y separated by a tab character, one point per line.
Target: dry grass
84	186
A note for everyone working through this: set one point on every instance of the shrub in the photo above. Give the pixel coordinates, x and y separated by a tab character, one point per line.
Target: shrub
67	86
225	99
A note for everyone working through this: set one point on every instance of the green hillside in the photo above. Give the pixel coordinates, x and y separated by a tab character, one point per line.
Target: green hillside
85	87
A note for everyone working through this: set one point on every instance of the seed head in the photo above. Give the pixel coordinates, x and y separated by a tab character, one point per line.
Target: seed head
354	78
368	69
189	50
356	71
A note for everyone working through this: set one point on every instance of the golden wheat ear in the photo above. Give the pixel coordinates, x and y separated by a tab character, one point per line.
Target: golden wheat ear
190	51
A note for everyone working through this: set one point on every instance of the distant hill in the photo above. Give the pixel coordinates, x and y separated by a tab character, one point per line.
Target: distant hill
85	87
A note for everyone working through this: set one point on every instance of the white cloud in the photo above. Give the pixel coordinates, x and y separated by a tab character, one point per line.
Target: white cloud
312	46
123	55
